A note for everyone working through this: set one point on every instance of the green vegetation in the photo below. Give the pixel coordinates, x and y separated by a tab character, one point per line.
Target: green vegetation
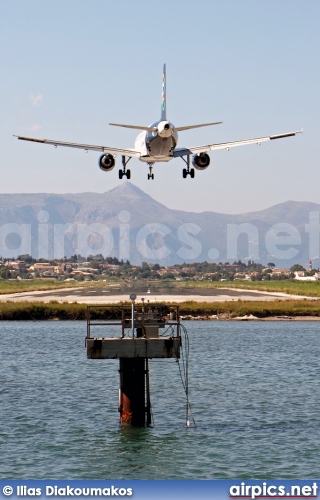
225	310
261	309
41	311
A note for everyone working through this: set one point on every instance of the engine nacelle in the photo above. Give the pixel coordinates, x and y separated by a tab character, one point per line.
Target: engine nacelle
107	162
201	161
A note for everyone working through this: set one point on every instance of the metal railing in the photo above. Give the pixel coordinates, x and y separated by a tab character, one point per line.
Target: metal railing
146	317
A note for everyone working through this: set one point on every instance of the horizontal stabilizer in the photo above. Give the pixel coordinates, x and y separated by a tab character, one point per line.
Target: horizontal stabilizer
137	127
179	129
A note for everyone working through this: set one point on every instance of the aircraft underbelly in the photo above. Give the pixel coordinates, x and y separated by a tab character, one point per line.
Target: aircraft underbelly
154	159
158	149
160	146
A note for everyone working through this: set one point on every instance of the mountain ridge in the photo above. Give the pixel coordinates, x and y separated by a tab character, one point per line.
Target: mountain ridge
128	188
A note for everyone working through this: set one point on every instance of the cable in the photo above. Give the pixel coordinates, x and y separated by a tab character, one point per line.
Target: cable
185	379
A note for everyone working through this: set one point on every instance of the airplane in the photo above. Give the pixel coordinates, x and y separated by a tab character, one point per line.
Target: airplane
158	143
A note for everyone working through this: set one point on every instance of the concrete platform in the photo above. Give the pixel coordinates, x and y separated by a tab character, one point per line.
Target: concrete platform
104	348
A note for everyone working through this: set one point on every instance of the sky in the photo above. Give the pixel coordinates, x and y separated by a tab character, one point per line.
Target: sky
70	68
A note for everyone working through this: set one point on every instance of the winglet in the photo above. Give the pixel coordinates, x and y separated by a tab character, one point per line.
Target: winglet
164	96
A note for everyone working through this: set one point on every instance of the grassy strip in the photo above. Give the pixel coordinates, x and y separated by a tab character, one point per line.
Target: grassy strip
260	309
41	311
65	311
306	288
17	286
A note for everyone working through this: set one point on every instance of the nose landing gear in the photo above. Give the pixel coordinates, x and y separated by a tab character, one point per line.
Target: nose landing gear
150	174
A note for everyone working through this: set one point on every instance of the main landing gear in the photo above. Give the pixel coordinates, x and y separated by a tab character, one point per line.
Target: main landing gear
124	171
187	171
150	174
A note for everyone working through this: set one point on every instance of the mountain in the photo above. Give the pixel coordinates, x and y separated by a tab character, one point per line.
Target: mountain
129	224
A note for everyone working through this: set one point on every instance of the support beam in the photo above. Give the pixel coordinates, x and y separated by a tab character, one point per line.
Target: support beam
163	347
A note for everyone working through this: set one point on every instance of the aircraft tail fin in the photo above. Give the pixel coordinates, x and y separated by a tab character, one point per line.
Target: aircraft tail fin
164	96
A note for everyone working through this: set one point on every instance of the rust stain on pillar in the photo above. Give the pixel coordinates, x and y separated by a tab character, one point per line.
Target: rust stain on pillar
132	387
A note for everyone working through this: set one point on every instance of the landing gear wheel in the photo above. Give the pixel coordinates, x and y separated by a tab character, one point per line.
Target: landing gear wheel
187	171
150	176
124	171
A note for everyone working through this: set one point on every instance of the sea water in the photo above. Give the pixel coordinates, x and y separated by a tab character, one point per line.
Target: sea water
254	393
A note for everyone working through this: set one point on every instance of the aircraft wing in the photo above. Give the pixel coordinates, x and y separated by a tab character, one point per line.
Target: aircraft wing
226	145
86	147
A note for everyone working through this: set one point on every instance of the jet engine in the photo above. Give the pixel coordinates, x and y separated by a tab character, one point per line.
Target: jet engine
107	162
201	161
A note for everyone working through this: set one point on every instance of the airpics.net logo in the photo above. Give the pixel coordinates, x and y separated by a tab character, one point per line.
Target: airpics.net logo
265	490
158	241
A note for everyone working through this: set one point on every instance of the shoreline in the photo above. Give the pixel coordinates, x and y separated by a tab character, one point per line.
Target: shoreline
243	318
196	318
